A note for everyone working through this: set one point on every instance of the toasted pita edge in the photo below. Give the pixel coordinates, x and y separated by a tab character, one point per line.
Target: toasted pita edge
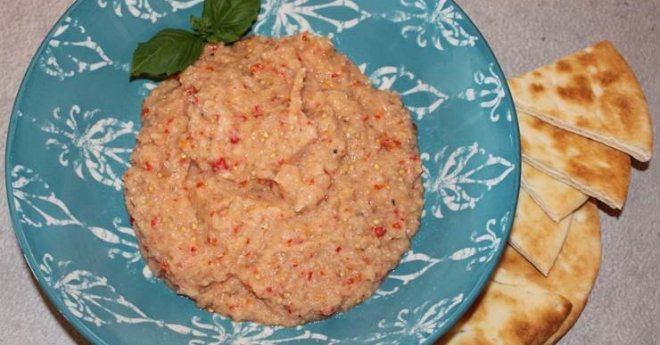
552	213
614	203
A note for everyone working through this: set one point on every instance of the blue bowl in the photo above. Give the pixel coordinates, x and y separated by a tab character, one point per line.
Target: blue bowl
76	117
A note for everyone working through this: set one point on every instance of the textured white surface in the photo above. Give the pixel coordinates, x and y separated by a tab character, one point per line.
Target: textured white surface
625	305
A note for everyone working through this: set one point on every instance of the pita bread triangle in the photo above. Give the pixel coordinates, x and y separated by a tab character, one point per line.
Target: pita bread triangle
509	314
556	198
572	277
535	236
593	93
574	273
594	168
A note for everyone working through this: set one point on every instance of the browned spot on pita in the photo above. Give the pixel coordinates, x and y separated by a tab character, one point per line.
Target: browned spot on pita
586	59
620	107
579	90
581	121
563	66
536	88
606	78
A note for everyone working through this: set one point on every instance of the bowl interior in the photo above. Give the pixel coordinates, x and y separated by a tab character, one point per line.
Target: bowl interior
74	125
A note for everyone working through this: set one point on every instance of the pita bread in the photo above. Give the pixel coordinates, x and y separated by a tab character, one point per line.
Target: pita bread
593	93
556	198
574	272
593	168
509	315
535	236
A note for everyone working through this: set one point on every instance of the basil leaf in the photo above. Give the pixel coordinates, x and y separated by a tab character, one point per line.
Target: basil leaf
226	20
170	51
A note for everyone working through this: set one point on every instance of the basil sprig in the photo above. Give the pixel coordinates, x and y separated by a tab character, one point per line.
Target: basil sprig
170	51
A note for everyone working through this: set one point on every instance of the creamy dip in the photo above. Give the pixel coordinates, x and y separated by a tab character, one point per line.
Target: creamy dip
271	182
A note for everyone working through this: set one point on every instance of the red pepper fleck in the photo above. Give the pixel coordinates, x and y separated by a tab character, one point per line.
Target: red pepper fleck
334	75
199	184
350	281
193	249
379	231
167	130
191	92
266	182
234	138
338	249
288	309
154	222
131	220
247	241
242	183
257	67
212	240
209	68
145	111
397	225
236	229
257	111
219	165
164	266
309	275
231	307
389	143
269	289
148	166
379	186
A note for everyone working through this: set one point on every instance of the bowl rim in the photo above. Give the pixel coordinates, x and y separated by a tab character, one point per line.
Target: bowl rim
93	337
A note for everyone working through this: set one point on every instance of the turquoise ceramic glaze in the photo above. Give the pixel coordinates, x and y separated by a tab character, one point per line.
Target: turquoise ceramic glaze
77	114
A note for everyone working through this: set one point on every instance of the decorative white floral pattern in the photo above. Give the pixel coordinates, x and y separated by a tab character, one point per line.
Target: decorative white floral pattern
413	264
490	95
419	97
38	206
460	173
145	88
93	299
411	261
412	324
436	21
87	141
71	51
485	244
143	9
287	17
35	204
